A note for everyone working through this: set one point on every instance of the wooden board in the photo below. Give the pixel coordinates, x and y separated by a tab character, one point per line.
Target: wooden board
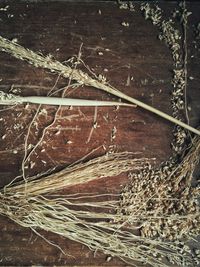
131	58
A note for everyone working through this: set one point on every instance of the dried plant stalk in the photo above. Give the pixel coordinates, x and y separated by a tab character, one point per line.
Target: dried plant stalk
53	215
54	66
163	203
113	234
11	99
104	166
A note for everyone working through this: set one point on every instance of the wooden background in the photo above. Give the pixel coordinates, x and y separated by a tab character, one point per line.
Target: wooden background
131	58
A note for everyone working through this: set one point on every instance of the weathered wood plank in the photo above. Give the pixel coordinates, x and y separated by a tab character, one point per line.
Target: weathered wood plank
131	58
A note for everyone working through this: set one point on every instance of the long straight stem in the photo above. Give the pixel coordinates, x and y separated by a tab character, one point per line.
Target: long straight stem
70	101
83	78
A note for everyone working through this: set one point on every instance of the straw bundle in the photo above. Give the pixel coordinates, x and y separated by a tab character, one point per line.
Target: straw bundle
53	215
104	166
115	233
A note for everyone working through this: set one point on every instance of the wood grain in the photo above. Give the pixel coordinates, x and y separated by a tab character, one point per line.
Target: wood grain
131	58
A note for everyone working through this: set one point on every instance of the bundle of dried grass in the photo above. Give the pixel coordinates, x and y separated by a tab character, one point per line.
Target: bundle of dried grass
150	201
57	216
163	203
34	205
103	166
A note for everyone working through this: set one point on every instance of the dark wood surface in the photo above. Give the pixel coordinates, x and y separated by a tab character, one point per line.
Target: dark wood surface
118	52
